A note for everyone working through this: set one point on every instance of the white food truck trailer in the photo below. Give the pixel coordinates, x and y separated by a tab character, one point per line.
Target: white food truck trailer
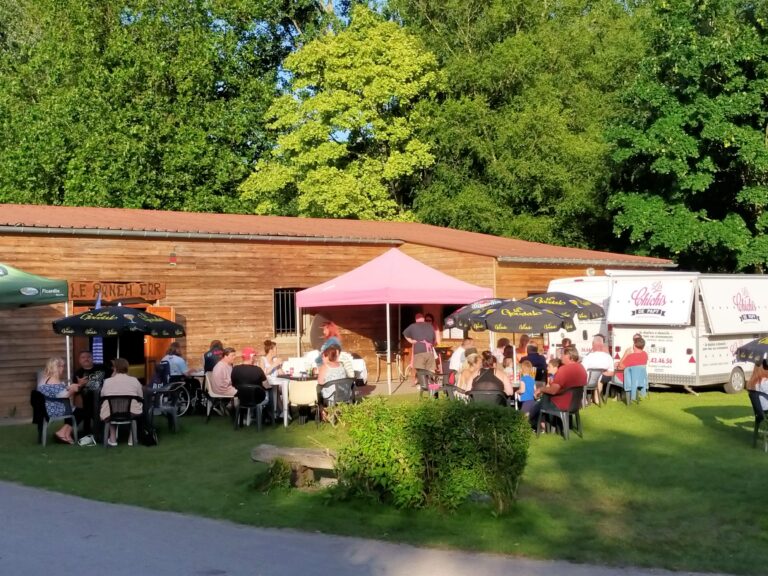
692	323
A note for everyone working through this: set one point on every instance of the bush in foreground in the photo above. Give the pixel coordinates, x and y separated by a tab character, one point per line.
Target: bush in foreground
433	453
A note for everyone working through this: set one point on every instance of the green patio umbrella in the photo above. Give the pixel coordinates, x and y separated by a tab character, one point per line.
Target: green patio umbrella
20	289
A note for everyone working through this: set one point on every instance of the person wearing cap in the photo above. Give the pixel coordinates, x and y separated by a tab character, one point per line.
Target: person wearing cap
248	373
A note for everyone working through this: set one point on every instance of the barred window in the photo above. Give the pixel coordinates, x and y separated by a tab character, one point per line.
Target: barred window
285	310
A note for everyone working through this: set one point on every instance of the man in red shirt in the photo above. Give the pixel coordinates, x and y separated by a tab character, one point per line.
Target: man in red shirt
570	375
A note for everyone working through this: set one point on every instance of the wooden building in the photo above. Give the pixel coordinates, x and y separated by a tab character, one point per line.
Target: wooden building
233	277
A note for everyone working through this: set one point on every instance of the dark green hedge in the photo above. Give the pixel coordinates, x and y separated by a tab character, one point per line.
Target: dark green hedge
433	453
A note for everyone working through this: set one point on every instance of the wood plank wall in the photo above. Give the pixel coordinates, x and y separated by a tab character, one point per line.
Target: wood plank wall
219	289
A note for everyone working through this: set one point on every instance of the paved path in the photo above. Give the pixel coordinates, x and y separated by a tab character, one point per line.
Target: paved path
45	533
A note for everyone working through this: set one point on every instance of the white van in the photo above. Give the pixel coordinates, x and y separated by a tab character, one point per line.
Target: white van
692	323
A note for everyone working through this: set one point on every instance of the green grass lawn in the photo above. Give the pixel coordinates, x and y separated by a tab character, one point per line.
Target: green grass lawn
673	483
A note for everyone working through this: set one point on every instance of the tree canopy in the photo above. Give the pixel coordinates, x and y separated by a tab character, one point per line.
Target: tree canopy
146	103
630	125
692	145
346	127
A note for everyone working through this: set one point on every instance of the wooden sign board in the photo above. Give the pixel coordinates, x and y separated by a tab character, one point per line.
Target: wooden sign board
115	291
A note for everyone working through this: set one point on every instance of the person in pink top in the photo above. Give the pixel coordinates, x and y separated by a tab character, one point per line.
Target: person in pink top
221	375
637	356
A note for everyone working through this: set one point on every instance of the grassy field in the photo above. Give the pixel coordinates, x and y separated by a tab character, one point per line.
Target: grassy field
673	483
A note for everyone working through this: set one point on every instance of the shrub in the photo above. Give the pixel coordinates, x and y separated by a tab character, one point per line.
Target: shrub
433	453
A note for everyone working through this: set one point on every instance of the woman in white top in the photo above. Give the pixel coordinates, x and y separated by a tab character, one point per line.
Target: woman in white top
759	381
270	362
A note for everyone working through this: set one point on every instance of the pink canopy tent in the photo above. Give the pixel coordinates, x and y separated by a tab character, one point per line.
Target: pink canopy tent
392	278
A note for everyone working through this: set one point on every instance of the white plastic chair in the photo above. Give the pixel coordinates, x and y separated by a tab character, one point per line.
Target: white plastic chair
221	400
302	393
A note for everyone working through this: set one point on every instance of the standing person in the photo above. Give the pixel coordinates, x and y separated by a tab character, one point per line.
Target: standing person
469	370
429	319
570	375
522	345
331	337
120	384
457	359
422	336
525	394
759	381
599	359
53	386
221	375
214	354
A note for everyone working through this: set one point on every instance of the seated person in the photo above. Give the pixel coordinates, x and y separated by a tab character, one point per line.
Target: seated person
570	374
487	380
214	354
120	384
270	363
457	359
221	375
52	385
178	366
248	373
599	359
636	356
88	369
525	394
89	377
538	361
331	369
469	370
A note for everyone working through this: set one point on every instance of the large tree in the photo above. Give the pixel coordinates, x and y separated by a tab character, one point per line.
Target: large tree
692	151
346	126
519	133
139	103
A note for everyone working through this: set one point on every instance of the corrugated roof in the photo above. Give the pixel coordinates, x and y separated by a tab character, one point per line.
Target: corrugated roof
86	220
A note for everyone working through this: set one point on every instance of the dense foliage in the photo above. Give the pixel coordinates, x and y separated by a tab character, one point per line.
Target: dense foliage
144	104
433	453
693	144
346	126
634	125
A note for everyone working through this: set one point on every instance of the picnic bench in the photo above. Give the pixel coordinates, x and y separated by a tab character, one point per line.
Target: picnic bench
303	461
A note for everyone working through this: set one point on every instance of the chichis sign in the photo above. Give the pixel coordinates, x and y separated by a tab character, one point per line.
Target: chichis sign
651	301
736	305
116	291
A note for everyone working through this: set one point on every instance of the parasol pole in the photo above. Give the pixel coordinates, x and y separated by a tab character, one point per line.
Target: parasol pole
69	344
298	331
389	353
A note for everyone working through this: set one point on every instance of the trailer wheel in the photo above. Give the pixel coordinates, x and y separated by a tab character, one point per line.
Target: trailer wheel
736	382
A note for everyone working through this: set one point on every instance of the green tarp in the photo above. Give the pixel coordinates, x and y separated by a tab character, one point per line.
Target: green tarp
19	289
